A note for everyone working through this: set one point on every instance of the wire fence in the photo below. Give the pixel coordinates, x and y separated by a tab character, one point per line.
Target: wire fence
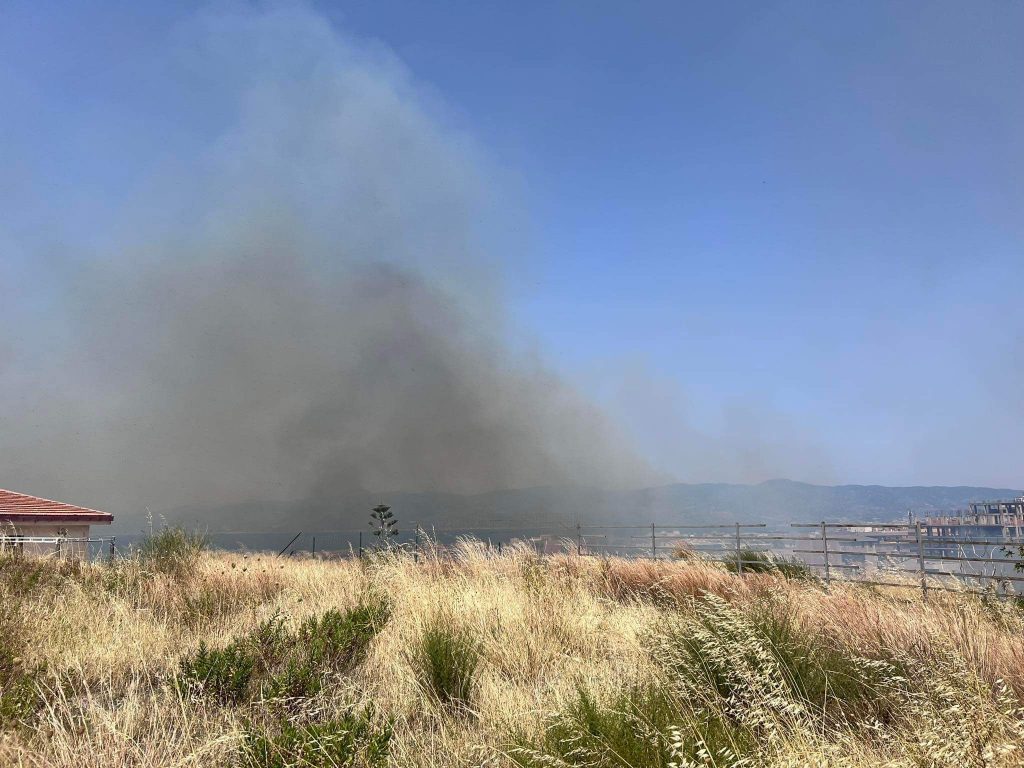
881	554
885	555
86	548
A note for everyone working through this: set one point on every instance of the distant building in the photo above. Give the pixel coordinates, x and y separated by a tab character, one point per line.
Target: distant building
32	525
983	518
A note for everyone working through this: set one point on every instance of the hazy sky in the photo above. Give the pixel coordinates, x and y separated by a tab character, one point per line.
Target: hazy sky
769	238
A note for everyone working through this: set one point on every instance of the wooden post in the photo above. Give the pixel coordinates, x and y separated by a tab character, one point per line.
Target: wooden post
314	547
360	545
824	551
579	539
112	546
920	563
739	551
654	544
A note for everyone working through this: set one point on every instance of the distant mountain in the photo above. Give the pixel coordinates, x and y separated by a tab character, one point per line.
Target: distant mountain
774	501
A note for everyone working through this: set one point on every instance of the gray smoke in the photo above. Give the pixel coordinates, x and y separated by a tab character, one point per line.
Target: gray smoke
308	304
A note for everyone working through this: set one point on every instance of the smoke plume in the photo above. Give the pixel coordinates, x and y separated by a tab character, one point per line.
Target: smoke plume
308	304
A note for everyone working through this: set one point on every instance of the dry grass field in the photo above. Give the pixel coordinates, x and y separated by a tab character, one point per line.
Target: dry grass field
180	657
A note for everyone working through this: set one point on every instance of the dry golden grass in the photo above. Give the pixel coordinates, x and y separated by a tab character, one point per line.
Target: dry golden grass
111	639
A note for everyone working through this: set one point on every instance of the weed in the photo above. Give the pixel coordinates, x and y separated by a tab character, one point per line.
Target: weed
829	681
755	561
649	726
275	663
353	740
172	551
27	576
533	573
334	642
760	665
446	661
226	675
338	639
19	689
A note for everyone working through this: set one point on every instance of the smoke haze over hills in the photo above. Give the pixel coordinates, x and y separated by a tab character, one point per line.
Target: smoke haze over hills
776	502
310	305
277	255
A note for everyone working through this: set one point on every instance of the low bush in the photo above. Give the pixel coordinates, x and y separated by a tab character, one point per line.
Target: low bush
274	663
446	661
225	675
755	561
19	689
334	642
760	661
172	551
338	639
650	726
354	739
828	680
23	576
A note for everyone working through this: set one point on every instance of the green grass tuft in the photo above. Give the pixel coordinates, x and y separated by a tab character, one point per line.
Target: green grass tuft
446	662
353	739
649	726
763	562
172	551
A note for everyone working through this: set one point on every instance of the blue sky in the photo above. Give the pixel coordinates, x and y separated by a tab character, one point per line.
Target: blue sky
771	239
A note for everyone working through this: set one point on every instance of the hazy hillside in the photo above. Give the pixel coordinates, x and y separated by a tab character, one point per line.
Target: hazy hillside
771	501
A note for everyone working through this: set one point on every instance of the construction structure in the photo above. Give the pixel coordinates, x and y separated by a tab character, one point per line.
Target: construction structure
982	519
32	525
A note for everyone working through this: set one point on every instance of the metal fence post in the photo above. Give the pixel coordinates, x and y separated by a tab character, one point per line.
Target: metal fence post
654	544
920	563
739	551
360	545
314	547
579	540
824	551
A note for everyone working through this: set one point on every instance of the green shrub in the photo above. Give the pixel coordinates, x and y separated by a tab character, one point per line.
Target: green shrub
351	740
272	662
760	660
338	639
173	551
829	681
19	689
225	675
633	731
446	661
755	561
26	576
333	642
650	726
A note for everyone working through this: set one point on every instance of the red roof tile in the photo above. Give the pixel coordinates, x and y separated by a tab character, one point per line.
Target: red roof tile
20	507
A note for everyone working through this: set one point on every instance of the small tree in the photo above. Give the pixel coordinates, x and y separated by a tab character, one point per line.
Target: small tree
383	525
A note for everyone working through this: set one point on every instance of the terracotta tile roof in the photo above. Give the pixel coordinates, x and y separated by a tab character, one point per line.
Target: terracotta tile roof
20	507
